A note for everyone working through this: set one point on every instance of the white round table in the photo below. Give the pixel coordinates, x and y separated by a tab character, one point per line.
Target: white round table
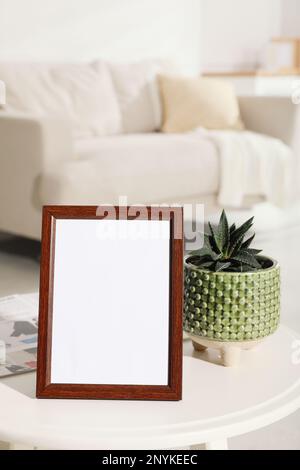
218	403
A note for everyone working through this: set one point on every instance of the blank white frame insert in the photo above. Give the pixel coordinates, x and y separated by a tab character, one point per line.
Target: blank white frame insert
111	286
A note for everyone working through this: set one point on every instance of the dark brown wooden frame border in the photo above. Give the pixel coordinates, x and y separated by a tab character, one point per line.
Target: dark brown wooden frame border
44	387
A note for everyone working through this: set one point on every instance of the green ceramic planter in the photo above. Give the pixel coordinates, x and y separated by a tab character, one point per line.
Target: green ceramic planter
231	306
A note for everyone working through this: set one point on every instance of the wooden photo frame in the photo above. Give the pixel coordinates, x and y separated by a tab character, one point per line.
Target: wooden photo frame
110	311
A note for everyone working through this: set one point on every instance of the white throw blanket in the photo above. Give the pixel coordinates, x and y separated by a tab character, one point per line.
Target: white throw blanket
253	164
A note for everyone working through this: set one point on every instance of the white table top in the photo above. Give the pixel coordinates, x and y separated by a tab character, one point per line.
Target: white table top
217	403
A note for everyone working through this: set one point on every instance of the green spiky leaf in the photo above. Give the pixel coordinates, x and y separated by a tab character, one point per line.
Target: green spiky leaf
235	248
207	264
215	241
248	242
205	251
242	230
246	258
252	251
223	231
225	249
232	229
219	266
206	241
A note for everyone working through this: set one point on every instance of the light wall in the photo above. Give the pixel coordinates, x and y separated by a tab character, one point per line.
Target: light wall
290	23
113	29
206	34
235	32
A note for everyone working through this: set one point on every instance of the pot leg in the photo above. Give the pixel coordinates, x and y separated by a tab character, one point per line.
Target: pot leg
198	347
230	356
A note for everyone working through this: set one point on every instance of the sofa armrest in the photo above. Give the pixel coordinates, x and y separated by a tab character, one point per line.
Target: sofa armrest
39	141
29	146
274	116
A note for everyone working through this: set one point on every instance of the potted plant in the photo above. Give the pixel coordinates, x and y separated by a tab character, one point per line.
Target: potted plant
232	292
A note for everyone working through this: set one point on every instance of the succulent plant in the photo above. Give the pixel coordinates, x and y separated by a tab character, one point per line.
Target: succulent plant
225	249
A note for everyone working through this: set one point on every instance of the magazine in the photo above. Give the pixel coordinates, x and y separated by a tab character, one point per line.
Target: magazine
18	331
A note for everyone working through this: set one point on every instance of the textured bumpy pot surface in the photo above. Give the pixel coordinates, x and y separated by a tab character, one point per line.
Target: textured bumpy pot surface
231	306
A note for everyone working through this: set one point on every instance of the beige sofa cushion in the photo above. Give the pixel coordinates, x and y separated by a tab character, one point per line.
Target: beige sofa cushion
76	92
138	93
147	168
189	103
2	94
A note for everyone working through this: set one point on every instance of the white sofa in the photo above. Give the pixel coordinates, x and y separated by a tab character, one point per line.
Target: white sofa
87	134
